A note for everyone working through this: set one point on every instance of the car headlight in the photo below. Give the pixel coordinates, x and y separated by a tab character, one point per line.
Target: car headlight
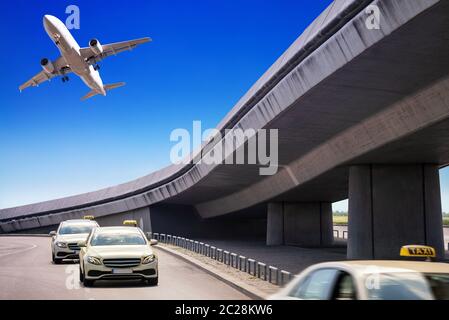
94	260
149	259
61	244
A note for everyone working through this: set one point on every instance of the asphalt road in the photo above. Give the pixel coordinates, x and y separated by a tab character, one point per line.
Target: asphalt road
26	272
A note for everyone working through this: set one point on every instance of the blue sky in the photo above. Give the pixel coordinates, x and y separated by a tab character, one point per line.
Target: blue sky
204	56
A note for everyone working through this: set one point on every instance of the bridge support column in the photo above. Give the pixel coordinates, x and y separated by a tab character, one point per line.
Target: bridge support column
300	223
391	206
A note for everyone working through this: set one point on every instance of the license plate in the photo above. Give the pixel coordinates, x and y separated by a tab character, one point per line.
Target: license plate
122	271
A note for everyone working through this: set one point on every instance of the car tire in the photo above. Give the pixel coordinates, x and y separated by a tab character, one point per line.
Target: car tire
88	282
81	275
153	281
56	260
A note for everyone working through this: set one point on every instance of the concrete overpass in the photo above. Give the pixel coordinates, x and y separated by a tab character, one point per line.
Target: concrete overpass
362	114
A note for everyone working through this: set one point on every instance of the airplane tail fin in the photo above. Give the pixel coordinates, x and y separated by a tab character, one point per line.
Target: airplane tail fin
89	95
106	87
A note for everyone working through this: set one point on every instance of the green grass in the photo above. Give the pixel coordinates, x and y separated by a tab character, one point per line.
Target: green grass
340	219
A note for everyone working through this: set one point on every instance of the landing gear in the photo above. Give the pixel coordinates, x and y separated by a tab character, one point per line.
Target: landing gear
65	78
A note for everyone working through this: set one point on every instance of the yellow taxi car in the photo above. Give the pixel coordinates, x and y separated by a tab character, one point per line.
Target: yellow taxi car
117	253
372	279
64	243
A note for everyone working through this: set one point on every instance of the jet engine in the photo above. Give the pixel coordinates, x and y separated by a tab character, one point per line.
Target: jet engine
95	46
47	65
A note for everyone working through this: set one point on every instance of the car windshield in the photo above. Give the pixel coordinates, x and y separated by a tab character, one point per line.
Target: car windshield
76	228
439	283
117	239
398	286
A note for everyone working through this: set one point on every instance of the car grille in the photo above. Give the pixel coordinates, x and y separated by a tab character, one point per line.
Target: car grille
67	255
121	263
97	273
73	246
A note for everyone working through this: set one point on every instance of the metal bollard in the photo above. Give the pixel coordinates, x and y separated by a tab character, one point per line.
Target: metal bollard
201	250
162	237
156	236
233	260
206	249
262	271
227	259
273	275
285	277
219	255
213	252
196	247
242	263
251	266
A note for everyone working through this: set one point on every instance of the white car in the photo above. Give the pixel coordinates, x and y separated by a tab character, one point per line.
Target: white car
118	253
369	280
64	244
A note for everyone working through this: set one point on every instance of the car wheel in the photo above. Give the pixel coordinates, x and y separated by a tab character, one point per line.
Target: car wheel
153	281
81	275
88	282
56	260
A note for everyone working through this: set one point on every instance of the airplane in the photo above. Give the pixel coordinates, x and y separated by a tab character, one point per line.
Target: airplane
81	61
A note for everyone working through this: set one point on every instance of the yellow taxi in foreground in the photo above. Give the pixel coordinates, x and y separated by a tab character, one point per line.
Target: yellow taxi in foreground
117	253
372	280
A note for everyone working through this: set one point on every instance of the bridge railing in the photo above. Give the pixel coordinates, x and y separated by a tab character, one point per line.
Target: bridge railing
343	233
251	266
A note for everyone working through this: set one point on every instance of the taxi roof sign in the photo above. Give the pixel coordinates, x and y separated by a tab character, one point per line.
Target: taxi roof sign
130	223
88	217
417	251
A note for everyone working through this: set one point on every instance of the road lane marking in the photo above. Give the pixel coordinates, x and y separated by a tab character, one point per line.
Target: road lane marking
19	251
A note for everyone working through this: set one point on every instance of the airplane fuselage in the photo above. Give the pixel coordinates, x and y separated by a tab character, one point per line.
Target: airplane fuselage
70	50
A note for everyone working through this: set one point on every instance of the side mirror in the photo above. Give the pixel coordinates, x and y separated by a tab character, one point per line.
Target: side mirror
82	244
153	242
52	233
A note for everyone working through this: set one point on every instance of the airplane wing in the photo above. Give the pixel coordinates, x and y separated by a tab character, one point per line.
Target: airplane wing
111	49
60	66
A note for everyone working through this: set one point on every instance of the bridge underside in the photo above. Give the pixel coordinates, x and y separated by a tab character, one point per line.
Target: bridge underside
365	117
